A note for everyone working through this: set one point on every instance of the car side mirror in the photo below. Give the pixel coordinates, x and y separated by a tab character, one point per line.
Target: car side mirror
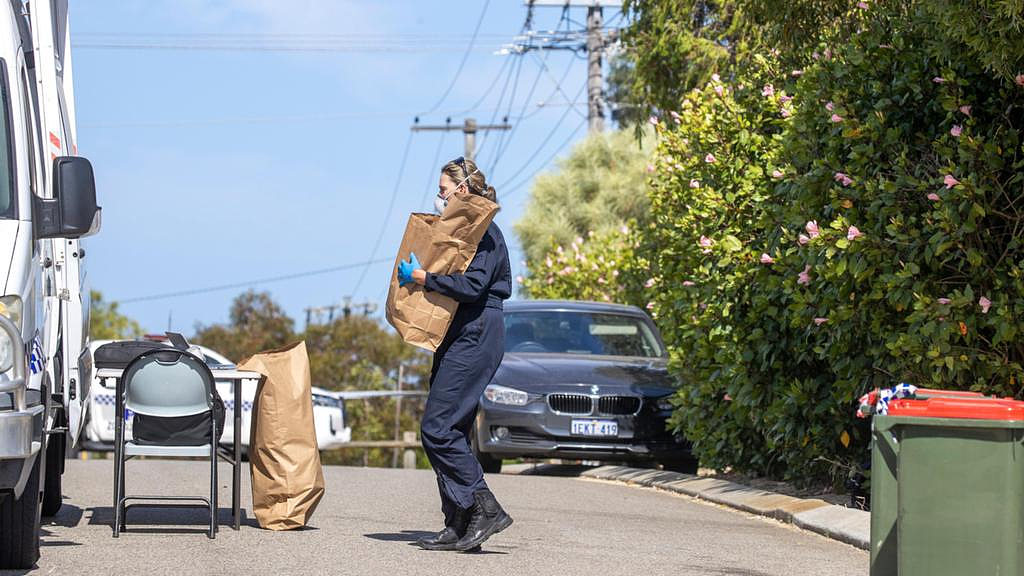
72	211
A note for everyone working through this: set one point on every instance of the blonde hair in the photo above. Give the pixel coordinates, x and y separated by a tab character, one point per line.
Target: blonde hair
465	171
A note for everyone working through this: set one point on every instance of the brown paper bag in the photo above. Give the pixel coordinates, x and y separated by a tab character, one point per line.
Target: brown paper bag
444	245
287	480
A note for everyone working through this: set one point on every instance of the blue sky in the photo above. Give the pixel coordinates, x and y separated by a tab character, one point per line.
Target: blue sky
220	166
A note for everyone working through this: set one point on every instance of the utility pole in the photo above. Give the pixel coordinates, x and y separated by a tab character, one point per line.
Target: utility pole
317	313
469	129
595	78
596	43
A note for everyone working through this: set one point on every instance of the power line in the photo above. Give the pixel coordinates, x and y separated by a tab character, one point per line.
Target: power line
544	164
546	140
433	176
387	217
254	282
421	48
487	92
462	64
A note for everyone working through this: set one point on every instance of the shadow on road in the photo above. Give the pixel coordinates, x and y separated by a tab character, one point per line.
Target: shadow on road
403	536
560	470
167	518
411	536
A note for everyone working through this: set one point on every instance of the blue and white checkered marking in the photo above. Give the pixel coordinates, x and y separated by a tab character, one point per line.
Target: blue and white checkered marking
35	360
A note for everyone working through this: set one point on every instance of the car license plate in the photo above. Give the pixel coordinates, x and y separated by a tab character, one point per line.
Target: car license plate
595	428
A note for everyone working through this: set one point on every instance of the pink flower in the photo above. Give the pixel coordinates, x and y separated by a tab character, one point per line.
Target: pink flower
785	99
803	239
601	280
777	174
852	233
812	228
519	279
965	110
862	5
934	197
719	90
804	277
716	78
943	301
815	55
650	168
843	179
579	240
1019	79
650	283
786	113
710	158
551	280
694	183
830	106
939	80
836	118
548	262
706	242
768	90
766	259
688	283
624	230
949	181
985	303
956	130
796	73
675	117
820	321
650	305
653	120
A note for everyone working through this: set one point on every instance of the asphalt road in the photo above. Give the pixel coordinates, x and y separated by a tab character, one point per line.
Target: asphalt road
369	518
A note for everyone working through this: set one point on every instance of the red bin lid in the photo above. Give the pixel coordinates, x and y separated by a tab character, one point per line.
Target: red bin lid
951	393
973	408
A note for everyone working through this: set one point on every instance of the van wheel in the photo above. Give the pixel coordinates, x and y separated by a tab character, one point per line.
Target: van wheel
490	464
54	465
19	524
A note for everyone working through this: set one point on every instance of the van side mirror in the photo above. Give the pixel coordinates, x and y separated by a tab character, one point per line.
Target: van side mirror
72	212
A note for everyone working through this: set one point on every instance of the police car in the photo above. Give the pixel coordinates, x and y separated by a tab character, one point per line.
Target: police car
328	409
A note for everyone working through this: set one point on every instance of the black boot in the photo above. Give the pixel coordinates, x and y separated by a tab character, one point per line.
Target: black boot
487	519
447	538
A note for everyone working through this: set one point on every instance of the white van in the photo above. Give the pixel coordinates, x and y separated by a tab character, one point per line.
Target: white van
328	411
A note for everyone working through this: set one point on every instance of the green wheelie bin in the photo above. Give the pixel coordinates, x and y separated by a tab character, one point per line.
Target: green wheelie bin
947	488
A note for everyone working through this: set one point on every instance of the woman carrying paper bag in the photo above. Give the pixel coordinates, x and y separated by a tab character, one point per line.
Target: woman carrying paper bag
463	366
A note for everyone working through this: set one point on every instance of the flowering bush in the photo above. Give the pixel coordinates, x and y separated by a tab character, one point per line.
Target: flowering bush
819	232
604	267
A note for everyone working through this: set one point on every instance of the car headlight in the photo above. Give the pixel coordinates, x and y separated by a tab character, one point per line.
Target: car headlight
11	307
665	404
506	395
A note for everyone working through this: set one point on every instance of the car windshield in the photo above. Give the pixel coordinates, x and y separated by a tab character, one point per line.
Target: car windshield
589	333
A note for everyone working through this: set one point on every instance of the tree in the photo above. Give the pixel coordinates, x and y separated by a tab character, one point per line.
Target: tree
256	323
107	323
598	188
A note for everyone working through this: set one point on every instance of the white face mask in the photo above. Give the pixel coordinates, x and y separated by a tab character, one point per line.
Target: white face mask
440	204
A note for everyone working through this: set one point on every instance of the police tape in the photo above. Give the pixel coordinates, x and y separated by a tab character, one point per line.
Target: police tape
877	401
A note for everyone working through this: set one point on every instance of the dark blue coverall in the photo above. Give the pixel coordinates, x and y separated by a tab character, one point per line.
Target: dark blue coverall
464	364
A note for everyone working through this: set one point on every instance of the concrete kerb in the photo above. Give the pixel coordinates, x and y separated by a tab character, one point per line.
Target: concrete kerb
837	522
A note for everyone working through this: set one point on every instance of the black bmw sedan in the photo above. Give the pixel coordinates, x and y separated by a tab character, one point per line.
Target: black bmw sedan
581	381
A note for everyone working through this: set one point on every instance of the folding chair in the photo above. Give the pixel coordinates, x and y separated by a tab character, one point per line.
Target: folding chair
164	383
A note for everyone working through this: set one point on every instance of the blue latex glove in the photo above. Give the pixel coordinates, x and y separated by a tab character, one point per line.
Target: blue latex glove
405	269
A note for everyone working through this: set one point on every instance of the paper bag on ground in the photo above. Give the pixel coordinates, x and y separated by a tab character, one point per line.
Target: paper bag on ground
287	480
444	245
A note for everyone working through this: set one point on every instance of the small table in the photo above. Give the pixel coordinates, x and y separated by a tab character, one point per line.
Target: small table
234	455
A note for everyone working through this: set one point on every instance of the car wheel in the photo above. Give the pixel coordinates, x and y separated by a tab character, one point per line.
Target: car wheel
683	465
19	524
490	464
